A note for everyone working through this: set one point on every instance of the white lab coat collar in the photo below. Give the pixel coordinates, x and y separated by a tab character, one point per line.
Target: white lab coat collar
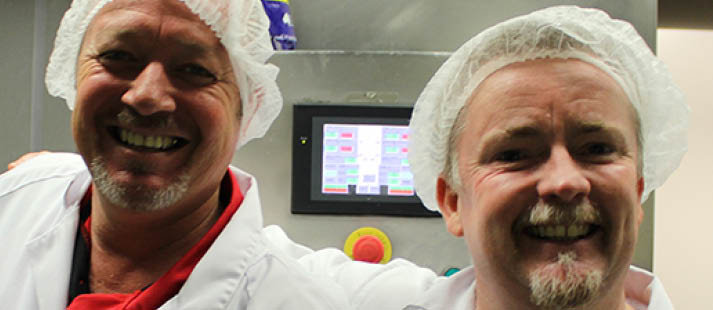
643	288
229	257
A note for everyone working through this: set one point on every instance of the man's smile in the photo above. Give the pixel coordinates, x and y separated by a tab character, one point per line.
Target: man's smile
561	232
140	142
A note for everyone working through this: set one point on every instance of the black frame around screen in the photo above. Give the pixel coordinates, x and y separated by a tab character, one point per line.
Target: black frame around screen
307	158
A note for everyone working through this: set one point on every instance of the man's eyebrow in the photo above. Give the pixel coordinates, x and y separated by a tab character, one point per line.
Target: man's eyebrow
492	138
590	127
599	128
195	48
520	132
121	34
188	46
510	133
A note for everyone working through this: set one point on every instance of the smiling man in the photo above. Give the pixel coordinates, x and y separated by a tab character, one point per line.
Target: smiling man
545	187
538	140
162	92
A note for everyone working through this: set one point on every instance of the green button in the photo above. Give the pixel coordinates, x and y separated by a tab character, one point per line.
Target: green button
451	271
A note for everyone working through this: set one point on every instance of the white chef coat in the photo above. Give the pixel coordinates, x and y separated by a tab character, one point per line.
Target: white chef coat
39	215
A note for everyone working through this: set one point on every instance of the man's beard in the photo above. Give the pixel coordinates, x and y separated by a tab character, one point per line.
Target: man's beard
135	197
562	284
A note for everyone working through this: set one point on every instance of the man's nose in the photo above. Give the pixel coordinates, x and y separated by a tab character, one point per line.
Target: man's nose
151	91
562	179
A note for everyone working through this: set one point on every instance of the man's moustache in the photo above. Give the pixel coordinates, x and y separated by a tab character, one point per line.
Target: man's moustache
129	118
543	213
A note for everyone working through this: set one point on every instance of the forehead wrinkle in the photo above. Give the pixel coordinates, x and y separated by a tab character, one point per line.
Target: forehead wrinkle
110	34
191	36
187	45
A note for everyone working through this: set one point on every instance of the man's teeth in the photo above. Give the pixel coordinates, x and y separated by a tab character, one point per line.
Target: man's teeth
560	232
153	142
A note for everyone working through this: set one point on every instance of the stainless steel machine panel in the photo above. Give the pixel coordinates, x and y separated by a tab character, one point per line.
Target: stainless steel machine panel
431	25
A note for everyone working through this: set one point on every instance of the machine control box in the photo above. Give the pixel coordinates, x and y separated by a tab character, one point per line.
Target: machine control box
353	160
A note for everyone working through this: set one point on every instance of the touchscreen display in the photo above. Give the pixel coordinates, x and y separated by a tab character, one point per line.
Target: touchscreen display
365	159
353	160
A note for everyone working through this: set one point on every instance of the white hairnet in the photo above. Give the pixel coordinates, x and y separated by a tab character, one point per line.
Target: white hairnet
242	27
557	32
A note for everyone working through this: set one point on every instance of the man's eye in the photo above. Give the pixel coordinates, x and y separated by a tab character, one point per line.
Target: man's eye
198	72
510	156
598	149
115	55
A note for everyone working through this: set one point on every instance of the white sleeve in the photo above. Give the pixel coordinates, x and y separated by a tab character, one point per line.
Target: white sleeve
279	239
368	286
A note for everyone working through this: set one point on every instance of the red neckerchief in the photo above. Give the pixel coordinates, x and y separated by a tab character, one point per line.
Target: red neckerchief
171	282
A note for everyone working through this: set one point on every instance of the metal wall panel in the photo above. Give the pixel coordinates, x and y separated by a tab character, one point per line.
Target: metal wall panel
430	25
56	133
16	36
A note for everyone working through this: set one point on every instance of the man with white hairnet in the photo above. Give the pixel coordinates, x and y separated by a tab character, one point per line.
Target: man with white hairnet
162	92
538	140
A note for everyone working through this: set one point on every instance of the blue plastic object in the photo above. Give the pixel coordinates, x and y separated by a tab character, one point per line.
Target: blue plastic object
282	31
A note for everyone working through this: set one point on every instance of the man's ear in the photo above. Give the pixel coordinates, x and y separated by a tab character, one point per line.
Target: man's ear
447	198
640	191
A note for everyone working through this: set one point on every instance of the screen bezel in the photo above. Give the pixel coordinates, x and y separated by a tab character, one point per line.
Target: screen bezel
307	132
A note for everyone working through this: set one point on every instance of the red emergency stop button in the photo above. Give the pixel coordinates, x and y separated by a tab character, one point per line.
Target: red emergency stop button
368	249
368	244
